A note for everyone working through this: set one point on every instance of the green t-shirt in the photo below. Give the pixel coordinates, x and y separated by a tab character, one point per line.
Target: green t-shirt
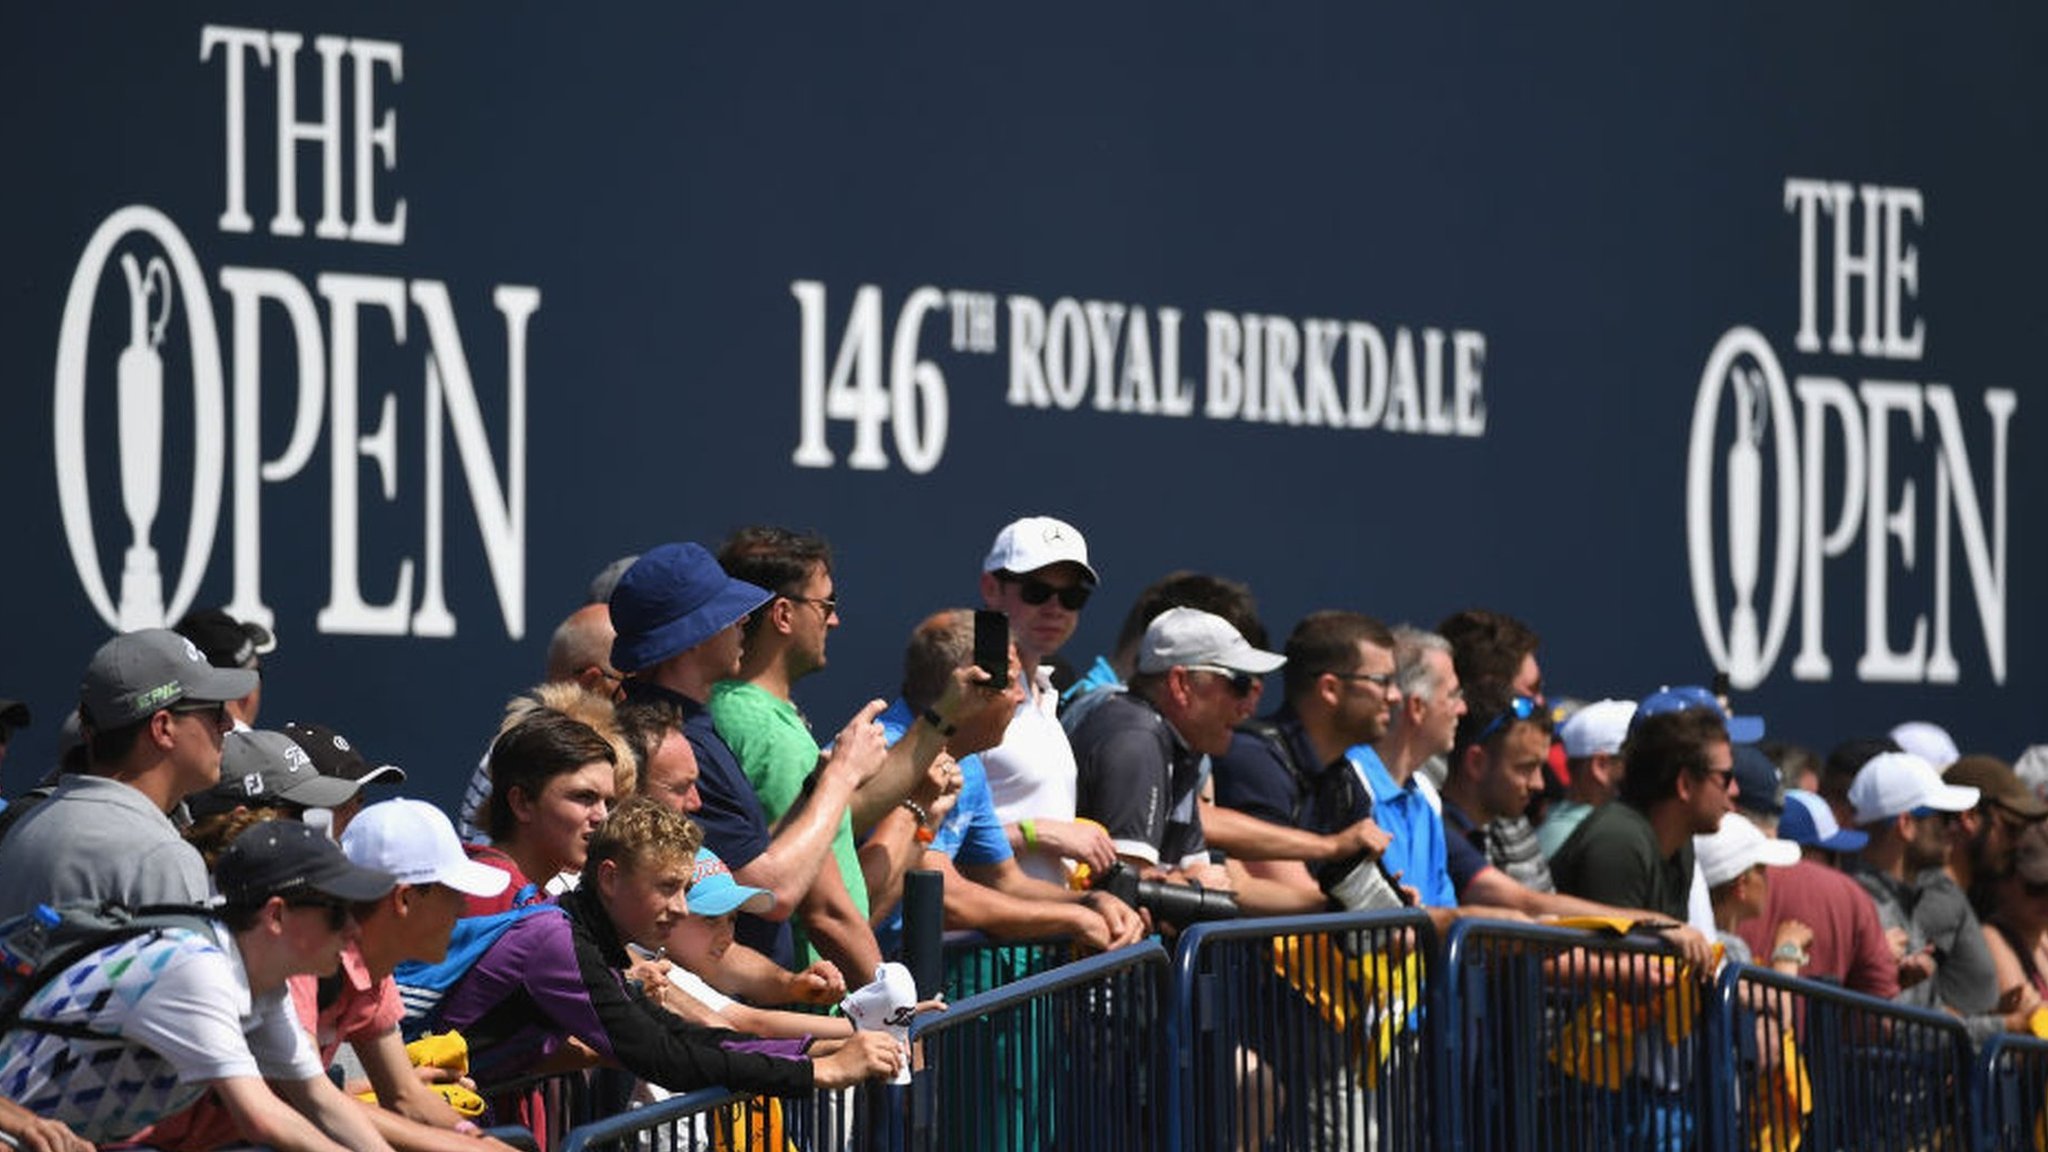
776	750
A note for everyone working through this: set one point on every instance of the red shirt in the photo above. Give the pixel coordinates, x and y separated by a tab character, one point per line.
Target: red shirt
1849	947
504	901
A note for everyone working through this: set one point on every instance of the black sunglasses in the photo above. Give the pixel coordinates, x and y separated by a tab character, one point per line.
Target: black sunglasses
1240	682
1519	708
338	911
1034	591
213	709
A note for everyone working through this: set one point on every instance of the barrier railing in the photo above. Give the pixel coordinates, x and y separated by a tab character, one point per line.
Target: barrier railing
549	1106
2011	1094
1066	1059
695	1121
975	964
1819	1067
1356	1031
1304	1032
1556	1038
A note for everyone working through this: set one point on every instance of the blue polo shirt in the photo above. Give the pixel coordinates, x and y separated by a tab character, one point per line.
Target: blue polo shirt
1418	854
972	833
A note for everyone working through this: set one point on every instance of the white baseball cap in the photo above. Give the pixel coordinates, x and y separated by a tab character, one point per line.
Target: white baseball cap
1187	636
1893	783
1737	847
1930	742
1038	542
1596	729
414	841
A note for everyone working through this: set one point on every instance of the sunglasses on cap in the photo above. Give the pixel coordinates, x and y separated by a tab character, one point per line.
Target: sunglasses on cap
1240	682
1034	592
1519	708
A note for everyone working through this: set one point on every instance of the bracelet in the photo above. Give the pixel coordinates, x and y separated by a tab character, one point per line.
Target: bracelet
932	717
1789	951
917	810
925	835
1029	829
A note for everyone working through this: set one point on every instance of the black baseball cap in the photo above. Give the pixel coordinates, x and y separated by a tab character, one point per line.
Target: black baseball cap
334	756
227	642
287	858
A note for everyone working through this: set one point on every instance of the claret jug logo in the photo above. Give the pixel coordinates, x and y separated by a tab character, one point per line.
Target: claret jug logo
1784	476
171	323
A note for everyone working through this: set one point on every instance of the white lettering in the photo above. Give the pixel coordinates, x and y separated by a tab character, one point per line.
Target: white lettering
346	610
1225	389
1886	522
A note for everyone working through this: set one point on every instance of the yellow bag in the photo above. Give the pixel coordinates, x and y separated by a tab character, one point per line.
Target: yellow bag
1784	1093
751	1126
449	1051
1598	1044
1343	988
446	1050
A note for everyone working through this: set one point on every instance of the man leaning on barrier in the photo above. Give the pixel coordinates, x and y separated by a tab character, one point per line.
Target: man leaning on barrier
1294	772
985	888
1140	753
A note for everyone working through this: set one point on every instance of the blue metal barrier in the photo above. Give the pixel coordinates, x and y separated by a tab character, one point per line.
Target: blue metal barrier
1303	1032
975	964
1817	1067
685	1123
549	1106
1556	1038
1066	1059
2011	1094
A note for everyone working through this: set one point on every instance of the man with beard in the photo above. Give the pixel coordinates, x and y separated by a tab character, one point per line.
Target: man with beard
1911	817
1340	692
1985	835
1679	781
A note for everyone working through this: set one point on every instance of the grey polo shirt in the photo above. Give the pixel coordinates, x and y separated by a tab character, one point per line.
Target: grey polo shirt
98	839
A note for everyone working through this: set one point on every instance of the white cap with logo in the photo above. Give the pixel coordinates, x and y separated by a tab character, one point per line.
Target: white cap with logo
1036	542
414	841
1893	783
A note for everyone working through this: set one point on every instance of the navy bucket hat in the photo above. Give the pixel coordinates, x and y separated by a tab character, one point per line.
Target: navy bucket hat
672	599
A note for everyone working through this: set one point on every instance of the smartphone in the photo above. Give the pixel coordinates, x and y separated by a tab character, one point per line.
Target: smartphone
992	647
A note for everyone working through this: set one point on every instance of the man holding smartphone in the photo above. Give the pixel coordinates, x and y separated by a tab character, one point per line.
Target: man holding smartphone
1037	574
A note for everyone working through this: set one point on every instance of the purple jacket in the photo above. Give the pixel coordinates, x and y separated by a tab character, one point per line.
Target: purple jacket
551	977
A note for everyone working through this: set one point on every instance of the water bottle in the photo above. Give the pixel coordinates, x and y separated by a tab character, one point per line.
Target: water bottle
21	950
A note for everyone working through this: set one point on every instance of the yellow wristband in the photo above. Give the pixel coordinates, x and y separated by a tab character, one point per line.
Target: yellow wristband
1030	830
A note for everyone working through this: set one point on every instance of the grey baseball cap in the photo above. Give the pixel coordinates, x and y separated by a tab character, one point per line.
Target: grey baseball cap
260	768
139	673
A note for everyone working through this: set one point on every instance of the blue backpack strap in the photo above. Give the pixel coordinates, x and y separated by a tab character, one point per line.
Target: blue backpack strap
421	987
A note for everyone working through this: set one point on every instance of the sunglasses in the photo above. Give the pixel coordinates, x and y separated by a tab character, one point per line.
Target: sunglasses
1034	591
213	710
1240	682
1722	776
338	911
1519	708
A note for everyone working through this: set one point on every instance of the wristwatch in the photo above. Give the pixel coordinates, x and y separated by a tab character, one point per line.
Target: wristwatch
1792	952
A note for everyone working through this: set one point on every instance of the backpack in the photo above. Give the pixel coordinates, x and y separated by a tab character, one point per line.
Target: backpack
1354	884
421	987
41	945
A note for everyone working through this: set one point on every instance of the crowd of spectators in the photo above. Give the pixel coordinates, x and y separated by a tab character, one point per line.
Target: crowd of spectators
664	866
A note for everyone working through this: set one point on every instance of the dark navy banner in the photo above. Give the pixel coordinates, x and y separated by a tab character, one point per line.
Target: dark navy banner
1702	341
